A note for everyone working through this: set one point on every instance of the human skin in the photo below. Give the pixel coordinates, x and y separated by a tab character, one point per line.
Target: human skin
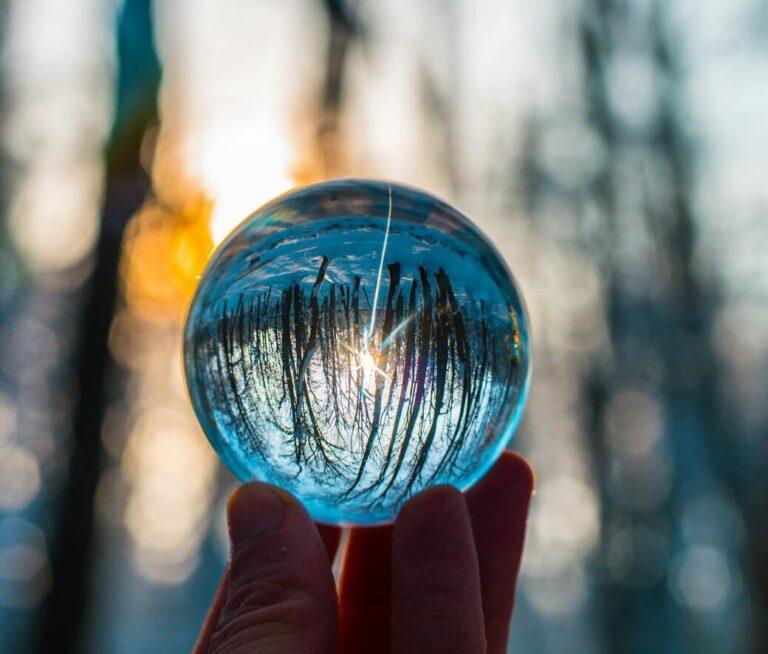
440	580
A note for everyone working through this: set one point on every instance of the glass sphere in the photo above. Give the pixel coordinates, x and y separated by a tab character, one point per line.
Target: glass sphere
355	342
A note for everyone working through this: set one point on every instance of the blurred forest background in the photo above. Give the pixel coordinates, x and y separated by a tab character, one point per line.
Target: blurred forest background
616	151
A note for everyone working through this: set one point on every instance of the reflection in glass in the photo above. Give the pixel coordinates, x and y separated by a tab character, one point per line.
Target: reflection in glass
356	342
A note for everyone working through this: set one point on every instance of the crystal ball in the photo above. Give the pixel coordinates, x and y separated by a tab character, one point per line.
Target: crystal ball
355	342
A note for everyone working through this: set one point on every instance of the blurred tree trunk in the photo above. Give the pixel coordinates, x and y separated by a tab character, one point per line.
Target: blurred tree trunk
670	323
623	610
126	186
343	27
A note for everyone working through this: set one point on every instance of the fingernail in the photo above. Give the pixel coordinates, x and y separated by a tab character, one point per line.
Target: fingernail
252	510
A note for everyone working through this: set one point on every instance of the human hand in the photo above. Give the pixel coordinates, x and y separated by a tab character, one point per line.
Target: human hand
441	579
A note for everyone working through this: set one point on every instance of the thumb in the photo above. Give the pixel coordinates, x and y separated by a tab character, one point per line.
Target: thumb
280	592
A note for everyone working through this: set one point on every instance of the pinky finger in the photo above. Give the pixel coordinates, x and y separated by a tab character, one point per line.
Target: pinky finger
498	509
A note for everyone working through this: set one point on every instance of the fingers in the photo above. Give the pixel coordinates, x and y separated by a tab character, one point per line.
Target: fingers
452	591
280	595
436	602
365	592
498	506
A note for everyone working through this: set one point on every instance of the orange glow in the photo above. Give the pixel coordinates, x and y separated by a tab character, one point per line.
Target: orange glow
165	254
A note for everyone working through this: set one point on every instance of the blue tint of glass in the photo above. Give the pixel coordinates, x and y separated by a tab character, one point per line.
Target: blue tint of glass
355	342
